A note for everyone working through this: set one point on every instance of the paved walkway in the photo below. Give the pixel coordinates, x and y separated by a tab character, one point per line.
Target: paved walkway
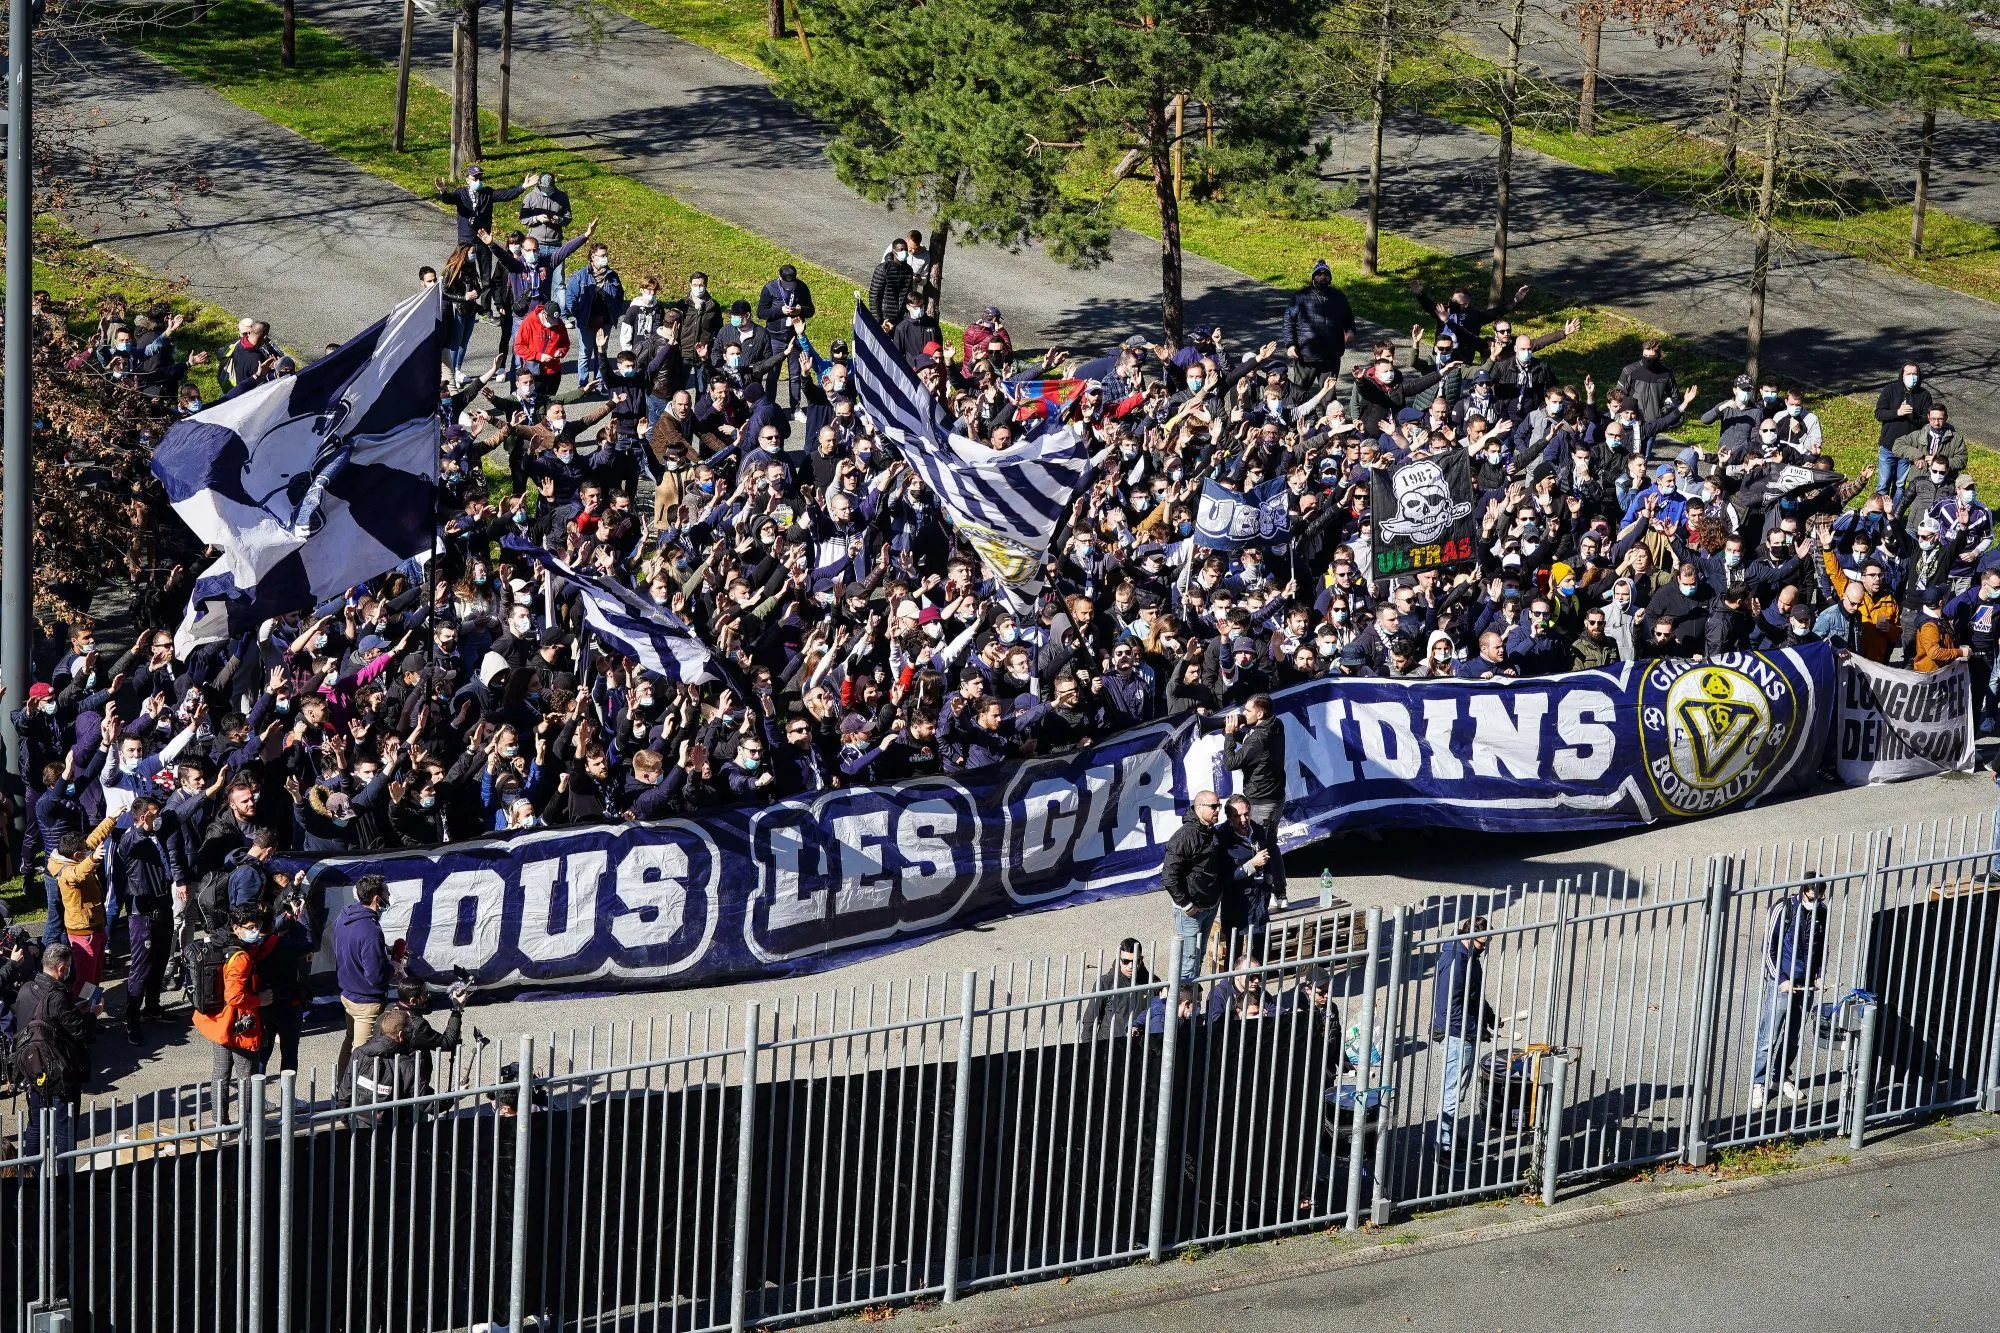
259	220
710	132
1834	322
1901	1248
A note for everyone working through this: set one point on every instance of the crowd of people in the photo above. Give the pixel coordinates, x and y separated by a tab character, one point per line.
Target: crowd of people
710	452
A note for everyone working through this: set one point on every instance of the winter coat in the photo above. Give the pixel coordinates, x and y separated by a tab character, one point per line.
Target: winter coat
239	1024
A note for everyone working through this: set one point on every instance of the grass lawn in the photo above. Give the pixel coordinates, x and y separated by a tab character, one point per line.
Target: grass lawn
344	100
732	28
1281	252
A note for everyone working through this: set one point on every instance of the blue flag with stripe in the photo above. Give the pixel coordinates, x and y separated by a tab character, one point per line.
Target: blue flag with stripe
1006	504
640	628
314	482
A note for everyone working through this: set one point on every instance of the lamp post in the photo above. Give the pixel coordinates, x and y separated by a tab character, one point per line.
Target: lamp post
17	475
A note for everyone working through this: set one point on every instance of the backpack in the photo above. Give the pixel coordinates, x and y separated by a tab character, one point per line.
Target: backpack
211	897
206	957
41	1058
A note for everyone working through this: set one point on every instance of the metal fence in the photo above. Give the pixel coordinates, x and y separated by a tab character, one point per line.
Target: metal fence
924	1139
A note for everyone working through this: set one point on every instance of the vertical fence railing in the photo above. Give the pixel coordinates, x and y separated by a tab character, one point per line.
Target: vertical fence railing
926	1139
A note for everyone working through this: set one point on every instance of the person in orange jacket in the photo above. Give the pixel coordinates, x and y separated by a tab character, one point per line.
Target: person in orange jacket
1935	647
237	1028
540	345
1881	618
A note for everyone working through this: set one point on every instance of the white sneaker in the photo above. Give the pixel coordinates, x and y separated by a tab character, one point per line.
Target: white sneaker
1756	1096
1789	1090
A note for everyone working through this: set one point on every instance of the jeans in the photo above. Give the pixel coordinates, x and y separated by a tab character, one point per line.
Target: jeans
65	1109
1890	472
1192	933
1778	1025
52	929
458	325
1457	1081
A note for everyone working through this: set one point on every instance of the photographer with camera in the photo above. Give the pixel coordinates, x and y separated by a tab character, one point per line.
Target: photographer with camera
415	998
230	1007
286	972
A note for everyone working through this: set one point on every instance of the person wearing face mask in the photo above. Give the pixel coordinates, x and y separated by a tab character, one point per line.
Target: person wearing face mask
1922	493
237	1028
473	201
1934	441
1900	406
531	271
1318	329
780	301
1975	618
1964	524
1739	416
890	286
541	345
701	320
1661	502
596	301
545	212
917	331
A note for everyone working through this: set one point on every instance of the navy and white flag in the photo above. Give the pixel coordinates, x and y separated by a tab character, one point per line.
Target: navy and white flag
1006	504
1229	520
312	483
636	626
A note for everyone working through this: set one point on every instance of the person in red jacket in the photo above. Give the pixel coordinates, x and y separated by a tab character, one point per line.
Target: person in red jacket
541	344
237	1028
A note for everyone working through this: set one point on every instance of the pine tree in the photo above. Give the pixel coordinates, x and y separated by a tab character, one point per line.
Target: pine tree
1127	65
1936	61
950	109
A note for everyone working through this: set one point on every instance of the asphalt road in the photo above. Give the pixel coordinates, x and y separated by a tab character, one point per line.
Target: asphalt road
1445	875
1878	1250
710	132
1833	323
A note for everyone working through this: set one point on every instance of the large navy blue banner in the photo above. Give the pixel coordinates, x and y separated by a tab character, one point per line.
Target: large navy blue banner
758	891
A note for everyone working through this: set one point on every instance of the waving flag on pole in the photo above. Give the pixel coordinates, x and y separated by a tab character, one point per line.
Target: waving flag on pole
314	482
657	639
1006	504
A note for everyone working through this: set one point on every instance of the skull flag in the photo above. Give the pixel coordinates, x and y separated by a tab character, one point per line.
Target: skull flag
1421	515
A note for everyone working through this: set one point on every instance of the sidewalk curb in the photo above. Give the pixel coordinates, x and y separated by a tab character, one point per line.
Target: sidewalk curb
1560	1221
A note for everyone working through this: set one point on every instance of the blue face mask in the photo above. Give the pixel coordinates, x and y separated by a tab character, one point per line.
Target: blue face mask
751	763
1187	529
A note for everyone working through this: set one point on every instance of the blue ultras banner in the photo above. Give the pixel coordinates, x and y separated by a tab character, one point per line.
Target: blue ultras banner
782	888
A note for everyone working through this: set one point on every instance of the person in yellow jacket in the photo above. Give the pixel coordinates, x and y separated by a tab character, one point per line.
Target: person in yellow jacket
78	873
1881	618
237	1028
1935	647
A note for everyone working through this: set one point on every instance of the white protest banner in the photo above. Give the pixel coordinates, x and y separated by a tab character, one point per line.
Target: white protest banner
1893	725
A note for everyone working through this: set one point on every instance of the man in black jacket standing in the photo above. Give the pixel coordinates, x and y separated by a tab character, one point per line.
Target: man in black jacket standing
52	1033
1253	743
473	201
1901	408
1195	871
1319	325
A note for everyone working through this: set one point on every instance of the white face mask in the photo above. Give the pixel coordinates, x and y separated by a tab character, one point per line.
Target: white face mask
697	291
1909	381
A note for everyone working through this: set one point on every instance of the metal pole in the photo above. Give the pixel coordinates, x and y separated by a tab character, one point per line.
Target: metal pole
17	478
517	1254
1399	952
961	1109
1163	1114
287	1169
746	1161
47	1221
1362	1070
1715	925
252	1139
1862	1089
1555	1095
